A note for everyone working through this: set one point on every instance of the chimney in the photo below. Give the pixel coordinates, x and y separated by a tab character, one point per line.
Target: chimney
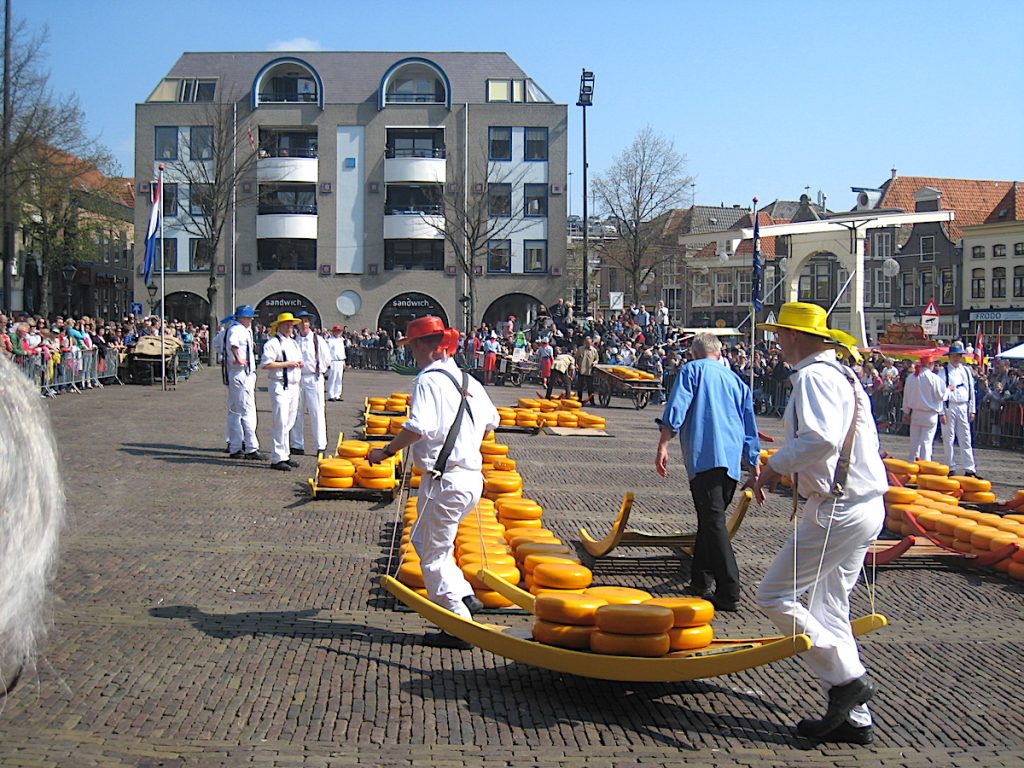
893	172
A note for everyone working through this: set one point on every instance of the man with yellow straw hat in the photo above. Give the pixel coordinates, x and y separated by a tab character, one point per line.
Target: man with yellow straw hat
283	362
831	452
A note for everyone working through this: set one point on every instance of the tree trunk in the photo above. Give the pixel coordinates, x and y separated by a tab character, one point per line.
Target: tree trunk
211	297
471	284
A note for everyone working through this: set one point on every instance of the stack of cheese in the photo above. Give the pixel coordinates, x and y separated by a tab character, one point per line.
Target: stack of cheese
377	425
372	476
786	480
904	471
336	473
554	412
397	401
631	374
502	483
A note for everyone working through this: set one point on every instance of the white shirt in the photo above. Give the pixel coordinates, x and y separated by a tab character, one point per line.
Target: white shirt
239	336
959	385
278	349
435	401
923	392
817	418
314	354
336	346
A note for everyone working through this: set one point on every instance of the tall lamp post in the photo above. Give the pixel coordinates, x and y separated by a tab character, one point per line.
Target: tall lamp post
68	272
586	100
151	289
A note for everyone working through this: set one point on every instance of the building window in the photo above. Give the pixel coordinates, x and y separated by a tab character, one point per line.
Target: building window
842	275
907	289
499	143
499	90
415	142
999	283
701	290
999	251
1018	249
416	83
536	143
822	282
170	255
499	256
977	283
200	142
290	143
499	199
170	205
414	254
287	197
978	252
286	253
882	245
535	199
200	200
200	255
535	256
193	89
947	289
1018	282
405	199
805	288
927	287
673	298
518	91
883	289
928	248
166	146
744	281
723	288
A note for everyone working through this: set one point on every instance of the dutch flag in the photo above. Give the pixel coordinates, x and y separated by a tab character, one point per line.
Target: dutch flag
153	233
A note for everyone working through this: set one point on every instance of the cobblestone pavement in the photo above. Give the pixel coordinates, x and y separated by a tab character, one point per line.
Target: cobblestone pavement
210	613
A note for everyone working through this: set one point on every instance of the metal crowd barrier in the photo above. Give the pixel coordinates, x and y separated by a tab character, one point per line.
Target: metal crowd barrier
373	358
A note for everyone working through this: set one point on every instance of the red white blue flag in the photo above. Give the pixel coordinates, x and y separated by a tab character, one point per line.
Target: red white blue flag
153	233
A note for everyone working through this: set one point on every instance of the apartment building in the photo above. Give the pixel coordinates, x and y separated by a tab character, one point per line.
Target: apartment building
360	178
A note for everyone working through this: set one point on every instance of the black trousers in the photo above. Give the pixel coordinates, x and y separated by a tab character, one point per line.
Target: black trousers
584	383
712	553
558	379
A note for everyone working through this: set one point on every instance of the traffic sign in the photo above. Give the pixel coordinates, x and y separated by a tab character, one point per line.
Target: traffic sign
136	308
931	310
930	319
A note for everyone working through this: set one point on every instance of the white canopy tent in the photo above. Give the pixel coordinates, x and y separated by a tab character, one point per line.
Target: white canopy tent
1014	353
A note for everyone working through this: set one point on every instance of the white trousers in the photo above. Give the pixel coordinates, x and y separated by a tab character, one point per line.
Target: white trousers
284	403
833	656
241	426
311	403
959	426
440	506
334	377
922	434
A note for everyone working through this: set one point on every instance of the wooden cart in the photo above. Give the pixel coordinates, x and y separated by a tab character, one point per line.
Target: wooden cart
608	384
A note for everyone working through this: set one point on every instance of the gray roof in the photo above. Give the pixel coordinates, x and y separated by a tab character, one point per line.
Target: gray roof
348	77
709	218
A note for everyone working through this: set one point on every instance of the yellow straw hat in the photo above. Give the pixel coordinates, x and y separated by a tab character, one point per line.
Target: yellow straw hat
284	317
811	319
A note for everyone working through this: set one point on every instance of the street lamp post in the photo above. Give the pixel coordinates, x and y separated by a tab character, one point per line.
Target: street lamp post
586	99
68	272
151	289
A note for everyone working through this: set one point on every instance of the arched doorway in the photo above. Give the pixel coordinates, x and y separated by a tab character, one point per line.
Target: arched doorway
396	313
187	307
285	301
522	305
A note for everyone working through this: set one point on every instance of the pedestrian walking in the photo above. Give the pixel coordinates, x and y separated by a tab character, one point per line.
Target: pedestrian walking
316	360
283	363
240	370
923	394
336	347
958	382
586	358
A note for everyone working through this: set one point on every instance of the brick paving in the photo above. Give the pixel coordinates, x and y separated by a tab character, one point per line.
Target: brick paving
210	613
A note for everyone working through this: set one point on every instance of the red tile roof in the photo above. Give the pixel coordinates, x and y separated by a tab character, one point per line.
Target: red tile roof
973	200
1010	208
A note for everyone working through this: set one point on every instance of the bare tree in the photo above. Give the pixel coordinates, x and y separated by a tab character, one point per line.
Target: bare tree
220	154
646	181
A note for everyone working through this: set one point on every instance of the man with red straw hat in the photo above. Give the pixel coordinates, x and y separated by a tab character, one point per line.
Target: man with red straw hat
449	415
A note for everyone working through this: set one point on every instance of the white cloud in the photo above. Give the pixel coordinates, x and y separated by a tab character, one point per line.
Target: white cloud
296	44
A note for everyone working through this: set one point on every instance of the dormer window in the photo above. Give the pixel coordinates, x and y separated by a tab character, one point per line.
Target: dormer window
287	81
415	81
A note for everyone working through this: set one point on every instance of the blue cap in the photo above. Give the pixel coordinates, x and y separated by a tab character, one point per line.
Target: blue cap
303	313
956	348
244	310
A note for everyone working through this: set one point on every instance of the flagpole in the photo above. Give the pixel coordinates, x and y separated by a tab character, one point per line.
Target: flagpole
163	295
753	309
234	201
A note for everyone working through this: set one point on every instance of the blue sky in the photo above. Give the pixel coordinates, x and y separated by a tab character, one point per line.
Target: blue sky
764	98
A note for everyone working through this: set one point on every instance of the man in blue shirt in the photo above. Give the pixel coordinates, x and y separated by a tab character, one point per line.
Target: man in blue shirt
712	411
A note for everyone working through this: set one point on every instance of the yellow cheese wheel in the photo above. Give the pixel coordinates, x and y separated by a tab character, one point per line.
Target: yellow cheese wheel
962	530
495	495
979	497
376	400
528	402
562	576
530	562
572	636
518	530
469	547
963	546
541	537
519	525
336	468
543	547
493	560
985	537
508	573
938	483
376	431
634	619
690	638
687	611
896	465
376	483
410	574
568	421
376	470
519	509
619	595
572	404
503	483
630	645
336	482
492	599
378	421
972	484
507	422
526	421
353	449
1011	526
931	468
900	495
414	481
542	591
567	609
946	524
476	527
505	464
494	449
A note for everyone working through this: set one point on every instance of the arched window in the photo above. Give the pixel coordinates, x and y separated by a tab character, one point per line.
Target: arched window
977	283
287	80
415	81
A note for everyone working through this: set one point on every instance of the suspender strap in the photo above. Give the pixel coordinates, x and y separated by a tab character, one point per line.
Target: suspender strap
441	465
284	371
838	487
224	360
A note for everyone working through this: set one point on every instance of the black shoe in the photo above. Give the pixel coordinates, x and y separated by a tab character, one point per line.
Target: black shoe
694	591
281	466
444	640
254	456
975	475
298	452
236	455
227	449
724	604
292	463
846	733
841	699
473	603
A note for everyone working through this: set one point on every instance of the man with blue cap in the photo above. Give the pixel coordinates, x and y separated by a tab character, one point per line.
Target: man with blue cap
240	367
960	402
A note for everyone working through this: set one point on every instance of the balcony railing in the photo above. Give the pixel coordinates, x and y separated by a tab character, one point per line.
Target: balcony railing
414	98
432	152
268	208
284	98
287	152
420	210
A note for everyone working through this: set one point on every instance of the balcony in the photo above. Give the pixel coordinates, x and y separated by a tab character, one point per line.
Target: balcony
298	226
289	167
416	165
419	224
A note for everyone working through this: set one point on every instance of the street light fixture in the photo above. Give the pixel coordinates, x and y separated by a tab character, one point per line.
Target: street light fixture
68	272
152	289
586	99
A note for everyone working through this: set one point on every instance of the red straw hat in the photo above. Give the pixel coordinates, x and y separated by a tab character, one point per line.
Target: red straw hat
422	327
451	341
